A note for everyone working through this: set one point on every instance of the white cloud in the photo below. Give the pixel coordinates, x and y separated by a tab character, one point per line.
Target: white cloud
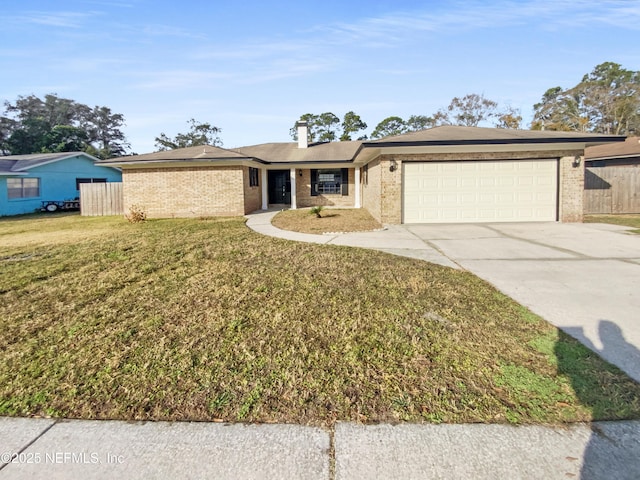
54	19
160	30
465	15
177	79
250	51
112	4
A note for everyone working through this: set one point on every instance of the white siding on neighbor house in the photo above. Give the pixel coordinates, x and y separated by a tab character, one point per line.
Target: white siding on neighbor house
480	191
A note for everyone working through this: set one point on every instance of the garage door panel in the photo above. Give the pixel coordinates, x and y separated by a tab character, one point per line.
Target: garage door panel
480	191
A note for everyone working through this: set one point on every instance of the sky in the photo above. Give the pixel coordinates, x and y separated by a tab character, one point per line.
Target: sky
253	67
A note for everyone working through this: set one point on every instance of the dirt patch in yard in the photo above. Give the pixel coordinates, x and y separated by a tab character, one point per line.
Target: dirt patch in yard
332	220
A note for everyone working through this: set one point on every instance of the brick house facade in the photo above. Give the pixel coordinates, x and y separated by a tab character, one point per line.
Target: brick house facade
211	181
382	192
170	192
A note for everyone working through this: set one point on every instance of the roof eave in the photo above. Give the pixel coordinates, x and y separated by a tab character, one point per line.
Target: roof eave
181	161
297	163
499	141
613	157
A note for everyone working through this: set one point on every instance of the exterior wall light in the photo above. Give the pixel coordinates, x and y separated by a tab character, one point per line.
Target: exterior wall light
393	166
576	161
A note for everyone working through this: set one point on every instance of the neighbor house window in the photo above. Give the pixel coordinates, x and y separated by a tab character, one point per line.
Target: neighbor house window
254	175
89	180
23	187
333	181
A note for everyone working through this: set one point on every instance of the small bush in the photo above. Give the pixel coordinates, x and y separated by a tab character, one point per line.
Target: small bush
136	214
317	211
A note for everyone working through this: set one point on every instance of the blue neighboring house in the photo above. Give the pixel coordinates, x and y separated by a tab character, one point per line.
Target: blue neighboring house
28	180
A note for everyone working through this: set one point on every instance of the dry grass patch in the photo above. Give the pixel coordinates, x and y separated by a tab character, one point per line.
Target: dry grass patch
52	229
332	220
631	220
205	319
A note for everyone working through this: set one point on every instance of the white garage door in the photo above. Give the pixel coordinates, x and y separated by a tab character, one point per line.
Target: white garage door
480	191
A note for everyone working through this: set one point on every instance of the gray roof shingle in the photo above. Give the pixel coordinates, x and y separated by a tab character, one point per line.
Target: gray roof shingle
20	163
315	152
328	152
452	135
201	152
630	148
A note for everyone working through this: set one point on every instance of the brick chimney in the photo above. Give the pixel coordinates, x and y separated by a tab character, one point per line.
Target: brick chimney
303	133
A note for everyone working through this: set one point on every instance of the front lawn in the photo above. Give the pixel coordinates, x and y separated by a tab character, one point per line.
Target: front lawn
629	220
205	319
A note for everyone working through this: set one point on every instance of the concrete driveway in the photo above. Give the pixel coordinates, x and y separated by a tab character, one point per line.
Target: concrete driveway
583	278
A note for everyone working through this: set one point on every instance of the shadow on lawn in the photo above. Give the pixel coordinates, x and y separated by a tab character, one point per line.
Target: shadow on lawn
613	450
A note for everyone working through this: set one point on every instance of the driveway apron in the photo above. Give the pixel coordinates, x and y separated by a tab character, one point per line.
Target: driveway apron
583	278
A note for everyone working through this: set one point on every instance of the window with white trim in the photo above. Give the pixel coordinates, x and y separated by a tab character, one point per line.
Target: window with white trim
23	188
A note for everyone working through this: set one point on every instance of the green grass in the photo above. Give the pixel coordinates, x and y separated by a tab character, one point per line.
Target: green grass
625	220
205	319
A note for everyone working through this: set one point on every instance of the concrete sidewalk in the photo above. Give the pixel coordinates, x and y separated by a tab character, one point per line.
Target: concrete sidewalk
49	449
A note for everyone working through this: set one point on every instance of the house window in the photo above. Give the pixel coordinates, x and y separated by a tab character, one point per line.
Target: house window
254	175
89	180
23	187
330	181
365	174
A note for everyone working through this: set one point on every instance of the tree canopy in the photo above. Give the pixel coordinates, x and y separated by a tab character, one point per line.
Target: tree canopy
326	127
199	134
389	127
469	111
351	124
55	124
607	100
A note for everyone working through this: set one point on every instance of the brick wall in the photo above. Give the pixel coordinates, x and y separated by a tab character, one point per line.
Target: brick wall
185	191
252	195
305	199
571	180
390	189
371	189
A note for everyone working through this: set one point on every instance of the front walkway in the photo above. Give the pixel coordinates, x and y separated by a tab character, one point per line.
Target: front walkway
394	239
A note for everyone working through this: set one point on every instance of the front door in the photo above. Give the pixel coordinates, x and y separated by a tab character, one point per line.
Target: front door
279	186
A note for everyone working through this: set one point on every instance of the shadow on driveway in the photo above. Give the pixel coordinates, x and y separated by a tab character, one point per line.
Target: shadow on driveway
613	450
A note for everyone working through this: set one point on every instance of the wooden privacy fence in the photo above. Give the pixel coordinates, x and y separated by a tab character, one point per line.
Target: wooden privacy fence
612	189
100	199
